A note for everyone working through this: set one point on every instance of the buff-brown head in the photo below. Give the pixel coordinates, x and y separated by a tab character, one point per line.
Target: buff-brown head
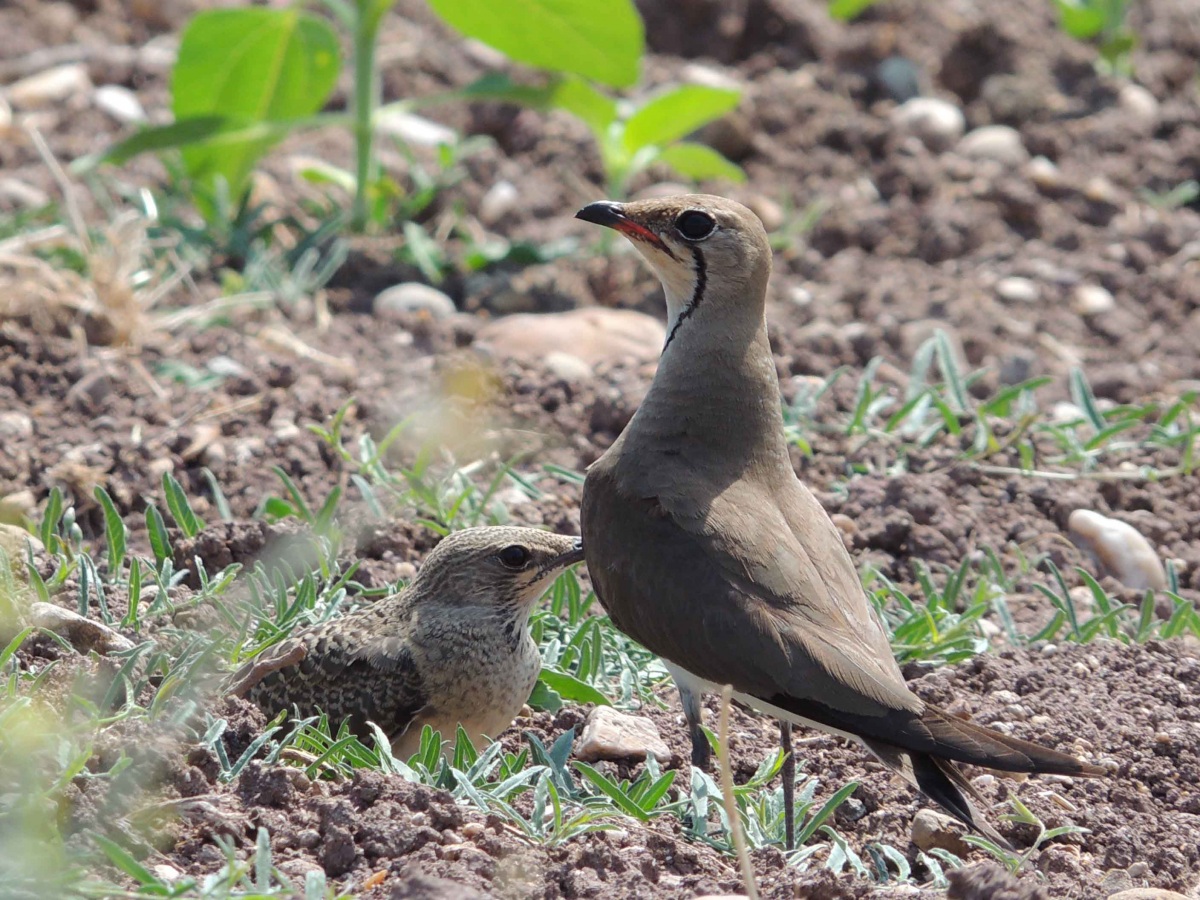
503	567
711	254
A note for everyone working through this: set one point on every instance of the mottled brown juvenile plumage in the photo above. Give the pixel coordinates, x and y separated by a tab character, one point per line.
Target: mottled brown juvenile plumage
453	647
703	545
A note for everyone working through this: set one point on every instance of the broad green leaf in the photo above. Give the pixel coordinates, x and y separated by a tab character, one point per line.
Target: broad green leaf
676	114
599	40
846	10
699	161
250	65
580	99
571	688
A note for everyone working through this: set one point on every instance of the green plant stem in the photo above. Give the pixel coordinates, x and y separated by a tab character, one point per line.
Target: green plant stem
366	99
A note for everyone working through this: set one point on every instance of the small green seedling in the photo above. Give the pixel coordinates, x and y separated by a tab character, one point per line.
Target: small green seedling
1104	22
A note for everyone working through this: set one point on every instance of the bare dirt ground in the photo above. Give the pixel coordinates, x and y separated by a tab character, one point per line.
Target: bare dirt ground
908	238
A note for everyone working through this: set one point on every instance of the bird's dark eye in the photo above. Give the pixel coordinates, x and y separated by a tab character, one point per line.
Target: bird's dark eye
695	225
514	557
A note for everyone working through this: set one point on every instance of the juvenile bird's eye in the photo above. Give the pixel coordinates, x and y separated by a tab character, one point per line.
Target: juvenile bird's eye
695	225
514	557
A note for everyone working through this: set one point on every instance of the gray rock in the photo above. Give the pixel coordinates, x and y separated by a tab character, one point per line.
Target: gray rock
412	296
995	142
83	634
1147	894
933	830
937	123
610	734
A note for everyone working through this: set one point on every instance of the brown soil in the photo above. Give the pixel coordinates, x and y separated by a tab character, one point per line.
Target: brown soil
909	239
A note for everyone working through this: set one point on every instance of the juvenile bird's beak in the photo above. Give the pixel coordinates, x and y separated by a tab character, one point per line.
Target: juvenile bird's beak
612	215
572	556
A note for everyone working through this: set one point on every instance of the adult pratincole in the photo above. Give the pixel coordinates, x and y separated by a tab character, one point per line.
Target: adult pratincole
703	545
452	648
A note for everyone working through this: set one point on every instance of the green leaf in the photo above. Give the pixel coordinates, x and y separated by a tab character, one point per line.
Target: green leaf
123	860
544	697
1080	19
156	529
571	688
580	99
676	114
700	162
177	502
846	10
114	529
250	65
601	41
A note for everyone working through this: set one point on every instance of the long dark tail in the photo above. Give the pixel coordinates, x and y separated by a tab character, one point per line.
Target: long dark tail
962	741
934	773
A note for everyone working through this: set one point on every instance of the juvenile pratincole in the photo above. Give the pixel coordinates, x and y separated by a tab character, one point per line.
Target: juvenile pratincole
703	545
452	648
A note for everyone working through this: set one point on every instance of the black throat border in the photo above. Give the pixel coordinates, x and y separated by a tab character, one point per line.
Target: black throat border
701	271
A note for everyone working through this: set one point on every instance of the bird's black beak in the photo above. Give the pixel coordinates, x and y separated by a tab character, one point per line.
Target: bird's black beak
613	215
572	556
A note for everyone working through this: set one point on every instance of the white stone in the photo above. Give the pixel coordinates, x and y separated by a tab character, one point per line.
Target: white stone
84	634
1017	290
594	334
119	102
1139	106
498	202
414	129
610	734
568	367
1119	548
709	76
6	117
50	87
15	426
1044	173
996	142
1093	300
412	296
937	123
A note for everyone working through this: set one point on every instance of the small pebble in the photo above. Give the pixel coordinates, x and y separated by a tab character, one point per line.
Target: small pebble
472	830
1044	174
937	123
568	367
1017	290
1139	106
414	129
498	202
1000	143
412	296
1093	300
1147	894
50	87
119	102
1119	548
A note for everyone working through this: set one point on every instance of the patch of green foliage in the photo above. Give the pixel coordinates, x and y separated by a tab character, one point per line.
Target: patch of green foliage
247	77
